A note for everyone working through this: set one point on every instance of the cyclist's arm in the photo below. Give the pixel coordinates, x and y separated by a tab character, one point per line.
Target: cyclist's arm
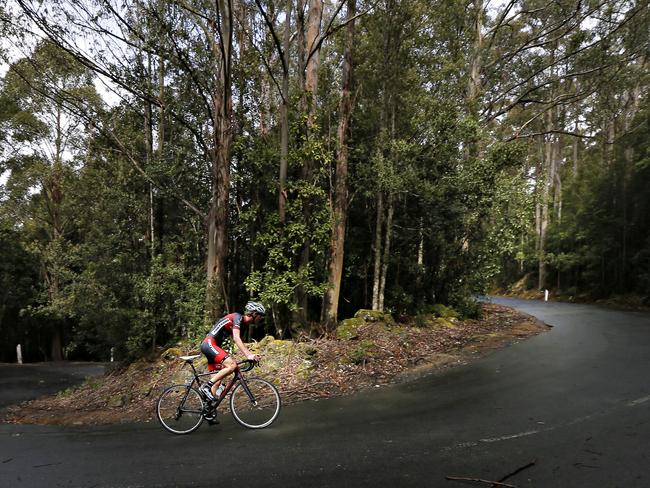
240	344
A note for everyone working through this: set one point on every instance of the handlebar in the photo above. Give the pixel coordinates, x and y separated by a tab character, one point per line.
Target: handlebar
247	364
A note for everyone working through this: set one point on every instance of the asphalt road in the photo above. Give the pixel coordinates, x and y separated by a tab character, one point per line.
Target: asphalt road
576	400
19	382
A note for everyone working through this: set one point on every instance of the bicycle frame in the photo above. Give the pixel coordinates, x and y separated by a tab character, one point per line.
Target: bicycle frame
236	377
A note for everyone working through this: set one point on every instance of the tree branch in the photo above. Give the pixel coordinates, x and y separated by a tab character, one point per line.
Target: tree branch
479	480
331	30
276	39
78	107
266	62
551	131
52	32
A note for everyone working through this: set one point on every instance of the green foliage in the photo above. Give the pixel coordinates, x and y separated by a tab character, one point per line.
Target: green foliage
440	310
171	306
100	249
18	290
278	278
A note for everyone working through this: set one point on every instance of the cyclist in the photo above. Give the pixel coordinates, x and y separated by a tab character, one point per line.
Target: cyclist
228	326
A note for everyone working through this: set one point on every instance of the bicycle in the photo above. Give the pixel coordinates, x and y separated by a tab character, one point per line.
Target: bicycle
254	402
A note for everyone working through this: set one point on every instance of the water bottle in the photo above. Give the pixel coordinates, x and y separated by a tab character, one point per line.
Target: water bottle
220	390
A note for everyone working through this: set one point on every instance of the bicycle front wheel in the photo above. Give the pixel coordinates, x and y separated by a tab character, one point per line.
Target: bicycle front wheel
258	407
180	409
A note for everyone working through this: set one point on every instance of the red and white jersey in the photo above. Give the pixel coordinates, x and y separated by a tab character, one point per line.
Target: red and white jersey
224	327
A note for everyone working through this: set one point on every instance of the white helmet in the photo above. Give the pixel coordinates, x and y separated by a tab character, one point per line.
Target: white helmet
255	307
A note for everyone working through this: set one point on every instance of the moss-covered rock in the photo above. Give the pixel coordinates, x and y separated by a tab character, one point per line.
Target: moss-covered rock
276	353
349	329
281	348
269	339
373	316
305	369
171	353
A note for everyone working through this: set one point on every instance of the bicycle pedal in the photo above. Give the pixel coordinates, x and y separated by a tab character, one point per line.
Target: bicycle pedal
211	417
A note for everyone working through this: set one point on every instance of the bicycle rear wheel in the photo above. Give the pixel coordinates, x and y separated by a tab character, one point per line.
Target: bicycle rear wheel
180	409
259	409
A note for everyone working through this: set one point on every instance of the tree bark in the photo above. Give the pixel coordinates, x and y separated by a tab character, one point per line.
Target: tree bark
557	177
550	169
549	178
386	253
421	242
539	181
312	51
377	267
54	196
222	139
340	210
313	58
284	116
148	142
476	64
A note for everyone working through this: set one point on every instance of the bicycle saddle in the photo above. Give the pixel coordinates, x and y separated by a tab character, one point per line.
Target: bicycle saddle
189	359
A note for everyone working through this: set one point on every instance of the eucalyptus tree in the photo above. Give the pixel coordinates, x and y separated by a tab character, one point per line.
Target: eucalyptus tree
552	55
197	39
292	66
44	138
570	93
340	205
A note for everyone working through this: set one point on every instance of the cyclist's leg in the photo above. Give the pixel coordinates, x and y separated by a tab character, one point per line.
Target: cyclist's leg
218	359
228	366
214	354
210	350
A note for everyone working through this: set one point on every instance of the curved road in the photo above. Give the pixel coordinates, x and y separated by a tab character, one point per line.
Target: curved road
576	400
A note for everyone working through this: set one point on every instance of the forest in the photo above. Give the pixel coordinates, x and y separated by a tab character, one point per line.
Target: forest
164	161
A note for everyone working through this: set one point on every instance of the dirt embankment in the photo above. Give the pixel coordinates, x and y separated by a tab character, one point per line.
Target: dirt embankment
370	349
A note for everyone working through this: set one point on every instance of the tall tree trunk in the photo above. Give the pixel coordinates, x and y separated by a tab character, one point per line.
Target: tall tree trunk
575	149
549	170
377	266
312	66
386	253
549	178
539	182
313	58
162	122
159	155
476	62
340	210
557	177
54	196
284	115
222	127
301	46
421	242
148	141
